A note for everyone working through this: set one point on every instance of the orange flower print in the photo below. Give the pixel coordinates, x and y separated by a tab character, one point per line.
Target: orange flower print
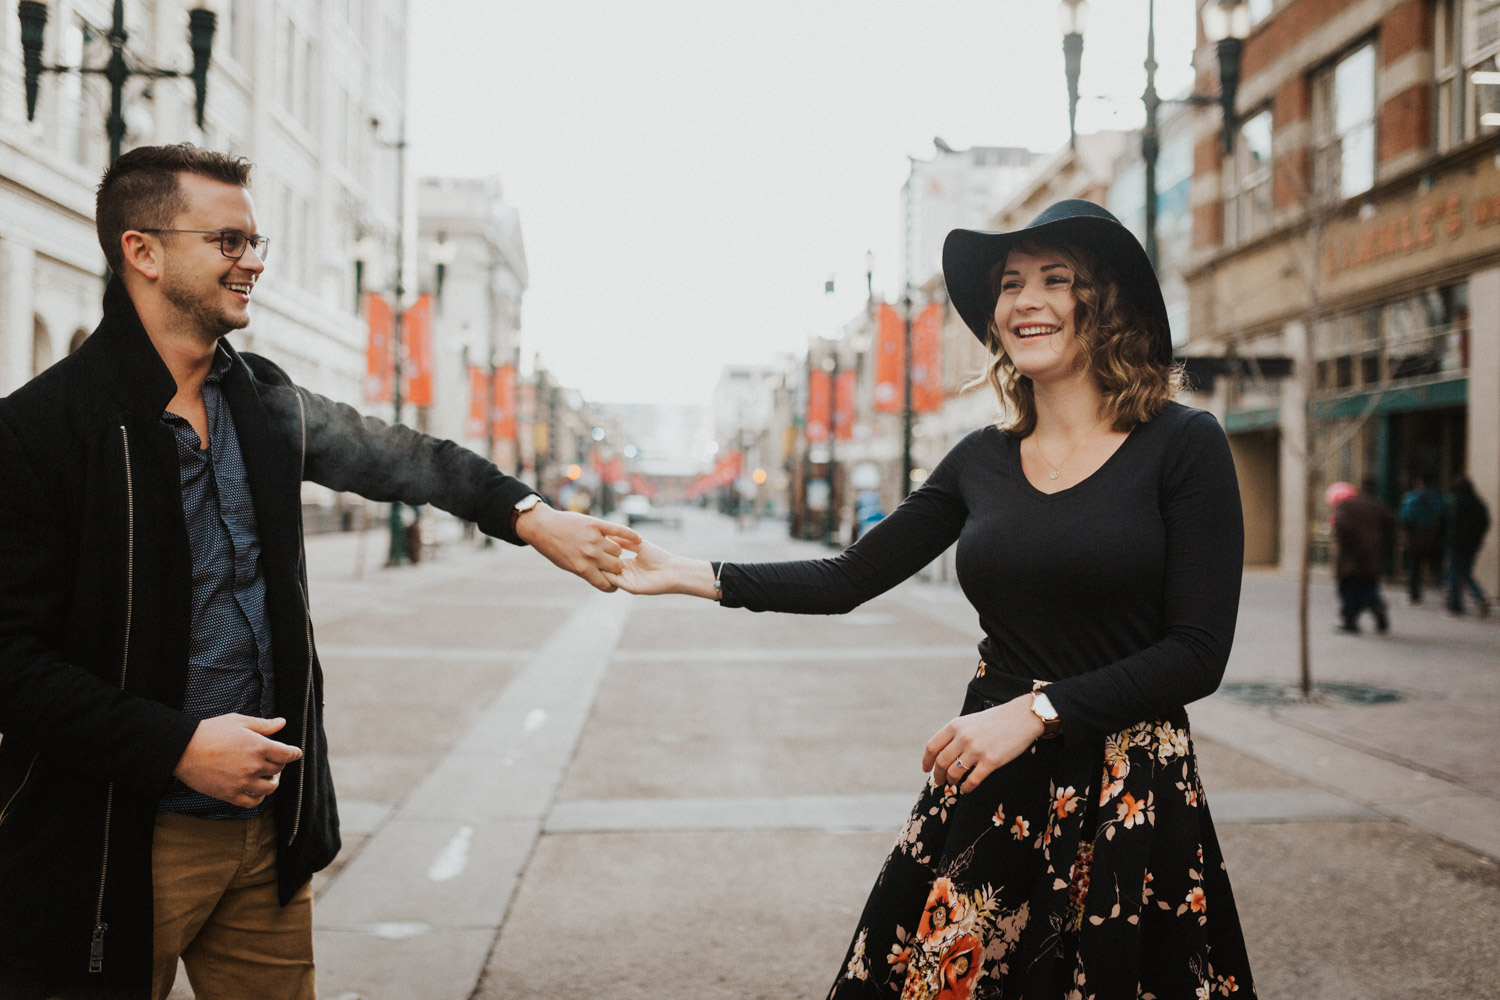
980	671
1131	811
899	958
999	817
1197	900
960	966
1020	828
1109	791
943	909
1227	985
1066	801
1204	992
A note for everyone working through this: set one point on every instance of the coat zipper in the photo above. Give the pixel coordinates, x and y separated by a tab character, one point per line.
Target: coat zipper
307	744
96	946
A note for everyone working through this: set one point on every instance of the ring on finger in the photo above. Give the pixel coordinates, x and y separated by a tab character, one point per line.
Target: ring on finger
958	763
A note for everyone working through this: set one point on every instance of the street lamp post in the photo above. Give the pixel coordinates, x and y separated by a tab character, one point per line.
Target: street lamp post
397	553
906	413
33	16
1225	23
1073	14
831	516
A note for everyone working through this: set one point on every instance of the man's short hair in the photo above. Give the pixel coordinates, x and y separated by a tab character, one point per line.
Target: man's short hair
140	190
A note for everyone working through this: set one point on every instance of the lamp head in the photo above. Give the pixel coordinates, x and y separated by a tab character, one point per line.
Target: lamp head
1072	15
201	24
1226	19
33	16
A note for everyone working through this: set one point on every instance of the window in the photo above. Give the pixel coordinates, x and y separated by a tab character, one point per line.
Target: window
1344	125
1247	171
71	117
1466	72
239	32
1421	337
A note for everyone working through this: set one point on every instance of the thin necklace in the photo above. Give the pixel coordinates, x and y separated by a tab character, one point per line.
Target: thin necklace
1057	468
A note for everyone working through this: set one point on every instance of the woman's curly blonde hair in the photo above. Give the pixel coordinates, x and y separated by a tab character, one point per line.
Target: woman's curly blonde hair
1117	340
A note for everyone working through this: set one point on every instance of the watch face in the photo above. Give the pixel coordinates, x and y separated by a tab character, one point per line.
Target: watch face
528	502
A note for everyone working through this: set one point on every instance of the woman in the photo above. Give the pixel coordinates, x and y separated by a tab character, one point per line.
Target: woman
1062	846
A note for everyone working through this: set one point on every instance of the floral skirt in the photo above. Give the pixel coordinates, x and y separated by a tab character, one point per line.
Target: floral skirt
1086	869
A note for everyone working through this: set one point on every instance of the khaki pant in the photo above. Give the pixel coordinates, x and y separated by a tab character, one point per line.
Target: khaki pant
215	887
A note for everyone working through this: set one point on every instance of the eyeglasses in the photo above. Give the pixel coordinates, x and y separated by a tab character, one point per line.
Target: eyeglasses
232	242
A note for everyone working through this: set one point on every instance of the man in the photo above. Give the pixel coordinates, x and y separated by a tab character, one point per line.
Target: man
164	781
1467	521
1422	516
1361	526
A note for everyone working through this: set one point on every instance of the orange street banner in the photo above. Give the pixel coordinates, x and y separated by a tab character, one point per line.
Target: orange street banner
890	361
843	405
379	368
819	406
479	400
416	351
927	360
503	408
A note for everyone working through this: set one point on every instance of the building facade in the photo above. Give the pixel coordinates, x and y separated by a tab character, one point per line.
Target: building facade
1355	228
312	94
472	260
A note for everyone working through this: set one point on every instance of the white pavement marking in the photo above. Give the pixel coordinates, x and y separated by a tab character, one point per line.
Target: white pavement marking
453	858
431	654
874	813
797	812
774	654
497	783
1385	787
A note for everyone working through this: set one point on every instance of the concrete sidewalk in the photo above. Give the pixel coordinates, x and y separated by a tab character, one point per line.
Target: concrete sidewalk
550	792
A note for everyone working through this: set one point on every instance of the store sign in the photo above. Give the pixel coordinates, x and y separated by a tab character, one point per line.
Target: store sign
1436	223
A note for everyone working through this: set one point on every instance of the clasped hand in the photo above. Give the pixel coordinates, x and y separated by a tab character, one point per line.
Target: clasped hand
582	545
232	758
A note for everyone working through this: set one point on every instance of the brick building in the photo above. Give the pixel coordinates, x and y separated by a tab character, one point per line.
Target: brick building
1355	228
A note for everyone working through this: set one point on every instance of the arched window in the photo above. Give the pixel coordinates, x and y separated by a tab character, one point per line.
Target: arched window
41	346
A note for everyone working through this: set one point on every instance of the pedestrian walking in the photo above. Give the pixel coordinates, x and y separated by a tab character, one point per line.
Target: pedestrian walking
164	783
1063	842
1362	527
1422	518
1467	522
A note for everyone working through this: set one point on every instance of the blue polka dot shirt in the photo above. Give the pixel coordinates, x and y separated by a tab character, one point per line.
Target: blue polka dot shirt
229	648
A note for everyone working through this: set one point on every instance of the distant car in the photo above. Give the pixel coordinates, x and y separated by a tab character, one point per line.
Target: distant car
637	509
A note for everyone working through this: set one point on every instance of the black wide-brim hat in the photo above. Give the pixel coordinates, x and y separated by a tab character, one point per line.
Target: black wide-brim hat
969	255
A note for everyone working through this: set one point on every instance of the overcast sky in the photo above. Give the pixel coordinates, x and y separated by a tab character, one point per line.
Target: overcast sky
689	174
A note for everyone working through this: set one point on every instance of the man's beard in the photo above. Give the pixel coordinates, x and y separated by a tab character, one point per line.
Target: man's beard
206	315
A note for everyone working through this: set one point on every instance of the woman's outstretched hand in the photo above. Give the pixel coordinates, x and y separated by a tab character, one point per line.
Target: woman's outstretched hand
650	569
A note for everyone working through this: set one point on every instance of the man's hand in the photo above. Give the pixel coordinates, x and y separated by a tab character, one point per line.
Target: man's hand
230	758
578	543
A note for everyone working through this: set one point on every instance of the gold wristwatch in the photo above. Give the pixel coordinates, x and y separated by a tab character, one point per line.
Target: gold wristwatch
1041	707
524	504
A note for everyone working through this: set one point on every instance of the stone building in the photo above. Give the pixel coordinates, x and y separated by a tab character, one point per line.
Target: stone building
313	94
1355	228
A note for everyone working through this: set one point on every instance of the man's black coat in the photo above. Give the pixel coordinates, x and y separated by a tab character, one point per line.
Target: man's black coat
95	584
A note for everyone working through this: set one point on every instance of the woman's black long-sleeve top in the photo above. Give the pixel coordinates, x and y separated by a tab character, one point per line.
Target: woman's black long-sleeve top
1122	591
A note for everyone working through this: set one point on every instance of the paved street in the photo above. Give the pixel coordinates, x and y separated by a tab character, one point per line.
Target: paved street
552	792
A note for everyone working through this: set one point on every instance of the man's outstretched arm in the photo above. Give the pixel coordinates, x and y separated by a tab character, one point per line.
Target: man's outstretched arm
345	450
